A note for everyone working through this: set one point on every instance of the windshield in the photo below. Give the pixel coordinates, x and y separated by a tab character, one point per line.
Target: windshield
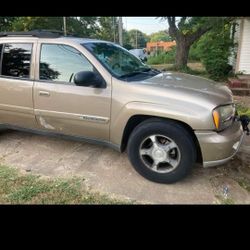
117	60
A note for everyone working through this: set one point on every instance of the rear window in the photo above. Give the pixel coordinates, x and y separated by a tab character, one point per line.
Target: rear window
16	59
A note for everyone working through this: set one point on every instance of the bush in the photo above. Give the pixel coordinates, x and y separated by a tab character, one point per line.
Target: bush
243	110
163	57
217	68
194	54
169	57
214	50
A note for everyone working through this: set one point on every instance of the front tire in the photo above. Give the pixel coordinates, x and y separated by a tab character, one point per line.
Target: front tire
161	151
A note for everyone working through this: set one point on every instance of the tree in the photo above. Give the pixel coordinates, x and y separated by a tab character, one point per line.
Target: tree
108	28
188	30
6	23
81	26
137	39
30	23
126	40
160	36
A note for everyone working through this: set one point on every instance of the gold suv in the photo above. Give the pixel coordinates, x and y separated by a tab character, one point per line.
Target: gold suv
98	91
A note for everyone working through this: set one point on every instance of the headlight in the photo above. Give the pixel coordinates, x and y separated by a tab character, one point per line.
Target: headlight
223	116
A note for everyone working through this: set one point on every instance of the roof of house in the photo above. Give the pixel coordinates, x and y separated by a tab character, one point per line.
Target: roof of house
161	43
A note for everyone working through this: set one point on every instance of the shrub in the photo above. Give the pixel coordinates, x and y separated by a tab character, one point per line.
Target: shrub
163	57
214	50
217	68
194	54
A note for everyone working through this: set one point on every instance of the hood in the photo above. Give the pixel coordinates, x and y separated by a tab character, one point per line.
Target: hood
191	85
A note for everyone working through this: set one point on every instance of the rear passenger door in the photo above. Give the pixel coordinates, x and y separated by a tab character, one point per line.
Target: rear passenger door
16	83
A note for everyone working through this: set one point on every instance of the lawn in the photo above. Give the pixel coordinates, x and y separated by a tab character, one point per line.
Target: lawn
18	188
197	66
194	68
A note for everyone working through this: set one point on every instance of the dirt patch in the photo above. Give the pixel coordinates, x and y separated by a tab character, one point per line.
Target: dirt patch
229	191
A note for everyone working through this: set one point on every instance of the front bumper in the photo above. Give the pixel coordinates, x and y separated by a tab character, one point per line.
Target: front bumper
218	148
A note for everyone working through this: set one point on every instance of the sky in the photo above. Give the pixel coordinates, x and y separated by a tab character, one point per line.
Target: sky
147	24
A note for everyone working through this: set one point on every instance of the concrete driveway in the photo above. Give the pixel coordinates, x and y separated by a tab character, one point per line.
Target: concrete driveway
107	171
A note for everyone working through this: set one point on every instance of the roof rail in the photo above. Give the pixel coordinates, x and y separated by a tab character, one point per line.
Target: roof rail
35	33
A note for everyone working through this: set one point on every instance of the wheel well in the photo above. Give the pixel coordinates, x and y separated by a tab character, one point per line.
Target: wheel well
137	119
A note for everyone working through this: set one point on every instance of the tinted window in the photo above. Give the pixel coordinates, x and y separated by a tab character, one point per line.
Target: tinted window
61	62
1	47
116	59
16	60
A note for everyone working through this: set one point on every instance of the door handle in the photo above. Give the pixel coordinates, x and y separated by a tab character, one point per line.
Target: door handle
44	93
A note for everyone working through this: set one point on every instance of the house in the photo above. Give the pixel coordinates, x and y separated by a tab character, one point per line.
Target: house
154	47
240	59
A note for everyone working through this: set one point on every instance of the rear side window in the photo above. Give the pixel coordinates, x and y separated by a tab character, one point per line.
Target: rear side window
16	58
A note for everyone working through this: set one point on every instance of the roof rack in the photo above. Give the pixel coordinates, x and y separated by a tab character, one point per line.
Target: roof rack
35	33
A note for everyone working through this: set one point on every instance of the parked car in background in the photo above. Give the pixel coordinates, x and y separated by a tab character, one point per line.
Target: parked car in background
99	92
141	53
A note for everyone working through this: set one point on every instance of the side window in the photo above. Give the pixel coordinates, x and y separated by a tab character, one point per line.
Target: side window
60	63
1	47
16	60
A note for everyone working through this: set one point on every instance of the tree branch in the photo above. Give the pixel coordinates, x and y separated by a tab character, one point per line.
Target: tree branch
173	31
195	36
182	22
202	30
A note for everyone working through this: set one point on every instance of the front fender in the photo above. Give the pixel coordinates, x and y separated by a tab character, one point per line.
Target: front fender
197	117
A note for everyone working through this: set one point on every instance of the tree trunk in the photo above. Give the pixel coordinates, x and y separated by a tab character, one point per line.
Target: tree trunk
184	42
182	51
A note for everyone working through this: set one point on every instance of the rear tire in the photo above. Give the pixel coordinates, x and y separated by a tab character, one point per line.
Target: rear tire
161	151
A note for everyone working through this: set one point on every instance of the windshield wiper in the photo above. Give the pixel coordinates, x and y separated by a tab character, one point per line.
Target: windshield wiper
145	71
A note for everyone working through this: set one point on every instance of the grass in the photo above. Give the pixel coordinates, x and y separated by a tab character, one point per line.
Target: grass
17	188
244	183
224	201
243	110
195	68
161	58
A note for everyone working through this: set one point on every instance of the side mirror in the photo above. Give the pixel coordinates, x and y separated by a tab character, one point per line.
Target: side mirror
88	79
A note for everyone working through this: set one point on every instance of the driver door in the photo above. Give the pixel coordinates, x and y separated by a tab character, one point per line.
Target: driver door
62	107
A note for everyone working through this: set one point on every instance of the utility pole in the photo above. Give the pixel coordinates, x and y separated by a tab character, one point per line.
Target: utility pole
120	31
136	39
114	27
64	26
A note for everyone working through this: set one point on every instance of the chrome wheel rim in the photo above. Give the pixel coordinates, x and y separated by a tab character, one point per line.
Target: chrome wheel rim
160	153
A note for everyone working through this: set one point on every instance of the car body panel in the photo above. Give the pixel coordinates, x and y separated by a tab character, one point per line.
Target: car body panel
171	99
16	95
217	148
16	105
68	109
